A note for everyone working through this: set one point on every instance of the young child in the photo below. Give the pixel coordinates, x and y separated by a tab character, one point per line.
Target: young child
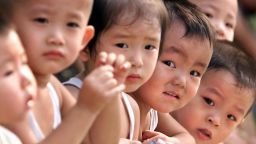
132	28
18	85
53	34
187	49
224	98
224	21
222	15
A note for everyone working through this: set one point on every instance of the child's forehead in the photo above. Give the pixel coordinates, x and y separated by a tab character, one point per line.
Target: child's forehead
58	5
10	45
230	6
221	84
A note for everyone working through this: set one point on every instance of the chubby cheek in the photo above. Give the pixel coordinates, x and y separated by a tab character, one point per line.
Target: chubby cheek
192	90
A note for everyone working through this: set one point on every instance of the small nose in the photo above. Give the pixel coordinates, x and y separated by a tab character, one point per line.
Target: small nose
28	82
220	31
179	80
136	59
214	120
56	37
25	81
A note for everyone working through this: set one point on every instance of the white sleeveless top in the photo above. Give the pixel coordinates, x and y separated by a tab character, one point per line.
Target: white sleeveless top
7	137
76	82
56	111
153	119
130	113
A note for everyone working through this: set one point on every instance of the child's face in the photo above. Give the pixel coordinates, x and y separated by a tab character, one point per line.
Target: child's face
52	31
178	72
139	42
222	15
217	109
18	86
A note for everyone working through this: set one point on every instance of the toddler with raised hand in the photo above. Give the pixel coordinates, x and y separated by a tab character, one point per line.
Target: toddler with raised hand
133	28
53	33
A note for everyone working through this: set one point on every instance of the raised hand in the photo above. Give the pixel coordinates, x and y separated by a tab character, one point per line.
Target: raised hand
105	82
120	65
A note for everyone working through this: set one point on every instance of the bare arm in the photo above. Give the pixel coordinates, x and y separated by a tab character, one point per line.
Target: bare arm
170	127
73	128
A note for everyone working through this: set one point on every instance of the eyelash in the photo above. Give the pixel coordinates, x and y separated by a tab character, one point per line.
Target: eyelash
121	45
169	63
73	25
41	20
209	101
150	47
229	25
8	73
209	15
196	75
231	117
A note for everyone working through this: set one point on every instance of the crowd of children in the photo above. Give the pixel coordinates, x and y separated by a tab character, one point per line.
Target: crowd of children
154	72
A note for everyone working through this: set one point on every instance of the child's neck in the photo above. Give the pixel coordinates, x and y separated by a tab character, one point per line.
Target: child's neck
144	112
42	80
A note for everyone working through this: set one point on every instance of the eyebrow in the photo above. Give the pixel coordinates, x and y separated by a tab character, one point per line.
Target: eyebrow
40	9
213	7
201	64
215	92
4	61
232	17
122	35
75	15
174	49
240	110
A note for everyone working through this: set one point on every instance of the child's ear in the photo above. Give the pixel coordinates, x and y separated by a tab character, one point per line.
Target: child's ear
89	33
84	55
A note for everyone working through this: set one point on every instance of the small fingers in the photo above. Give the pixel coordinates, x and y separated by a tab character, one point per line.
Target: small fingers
120	59
101	59
111	59
116	90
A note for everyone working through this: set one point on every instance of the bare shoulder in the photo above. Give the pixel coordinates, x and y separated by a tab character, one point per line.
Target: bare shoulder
73	90
136	111
133	103
65	97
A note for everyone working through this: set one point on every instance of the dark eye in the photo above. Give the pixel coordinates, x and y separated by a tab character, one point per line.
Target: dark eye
169	63
231	117
122	45
8	73
150	47
209	15
41	20
209	101
72	25
229	25
195	73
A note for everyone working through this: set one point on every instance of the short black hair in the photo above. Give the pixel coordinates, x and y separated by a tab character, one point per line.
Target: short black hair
196	23
6	9
228	57
105	13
